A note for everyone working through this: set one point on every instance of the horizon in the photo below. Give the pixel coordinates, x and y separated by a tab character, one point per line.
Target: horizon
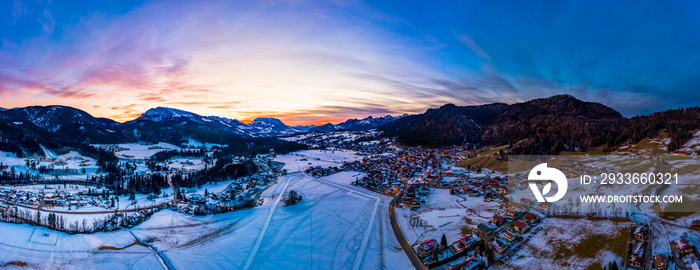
314	63
340	120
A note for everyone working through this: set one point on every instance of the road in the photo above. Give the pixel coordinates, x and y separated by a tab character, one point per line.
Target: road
417	263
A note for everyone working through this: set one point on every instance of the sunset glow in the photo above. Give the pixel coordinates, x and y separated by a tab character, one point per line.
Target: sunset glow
312	62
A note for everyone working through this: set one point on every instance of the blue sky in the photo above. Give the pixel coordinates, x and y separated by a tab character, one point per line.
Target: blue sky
321	61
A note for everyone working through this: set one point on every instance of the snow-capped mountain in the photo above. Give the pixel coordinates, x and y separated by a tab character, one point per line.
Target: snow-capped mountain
67	121
268	127
367	123
165	124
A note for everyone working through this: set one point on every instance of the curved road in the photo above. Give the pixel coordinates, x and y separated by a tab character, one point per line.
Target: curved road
417	263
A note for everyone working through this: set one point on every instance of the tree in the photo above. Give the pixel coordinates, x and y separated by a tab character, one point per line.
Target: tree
443	243
293	198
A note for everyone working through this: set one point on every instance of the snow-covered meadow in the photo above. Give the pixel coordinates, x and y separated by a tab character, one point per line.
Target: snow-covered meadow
335	226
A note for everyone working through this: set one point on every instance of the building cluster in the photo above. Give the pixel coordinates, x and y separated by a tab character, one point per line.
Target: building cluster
506	231
640	235
58	198
240	193
490	187
431	252
389	173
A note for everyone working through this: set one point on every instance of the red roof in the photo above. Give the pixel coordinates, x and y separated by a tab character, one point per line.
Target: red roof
497	217
429	244
529	216
683	244
521	225
508	235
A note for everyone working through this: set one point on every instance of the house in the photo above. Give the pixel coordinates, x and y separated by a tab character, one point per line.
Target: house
545	204
696	224
499	246
466	264
530	218
484	228
511	213
661	262
498	219
680	153
516	205
684	247
508	236
428	245
525	201
637	259
519	226
640	233
464	243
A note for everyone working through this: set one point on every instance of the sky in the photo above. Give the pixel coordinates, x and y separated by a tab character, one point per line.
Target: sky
312	62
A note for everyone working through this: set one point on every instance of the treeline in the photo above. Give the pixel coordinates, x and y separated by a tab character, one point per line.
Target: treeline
58	222
165	155
252	147
125	181
11	177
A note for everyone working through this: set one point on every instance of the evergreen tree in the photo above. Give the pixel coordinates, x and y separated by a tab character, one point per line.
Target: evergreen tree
443	242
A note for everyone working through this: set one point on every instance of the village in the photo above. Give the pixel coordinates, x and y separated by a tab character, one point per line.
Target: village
450	217
412	174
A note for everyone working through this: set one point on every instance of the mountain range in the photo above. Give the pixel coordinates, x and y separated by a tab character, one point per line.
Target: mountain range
540	126
62	125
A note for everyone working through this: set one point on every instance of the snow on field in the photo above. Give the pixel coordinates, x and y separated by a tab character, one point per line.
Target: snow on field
192	143
326	230
693	145
335	226
143	151
444	214
11	159
185	163
76	161
301	160
562	234
42	248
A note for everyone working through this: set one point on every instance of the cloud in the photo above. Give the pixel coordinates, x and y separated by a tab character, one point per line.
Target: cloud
467	40
47	21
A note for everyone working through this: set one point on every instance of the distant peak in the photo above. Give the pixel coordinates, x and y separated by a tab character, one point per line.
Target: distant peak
267	120
163	113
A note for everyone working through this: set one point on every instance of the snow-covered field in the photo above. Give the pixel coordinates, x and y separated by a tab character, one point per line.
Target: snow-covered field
335	226
42	248
142	151
444	213
555	246
301	160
